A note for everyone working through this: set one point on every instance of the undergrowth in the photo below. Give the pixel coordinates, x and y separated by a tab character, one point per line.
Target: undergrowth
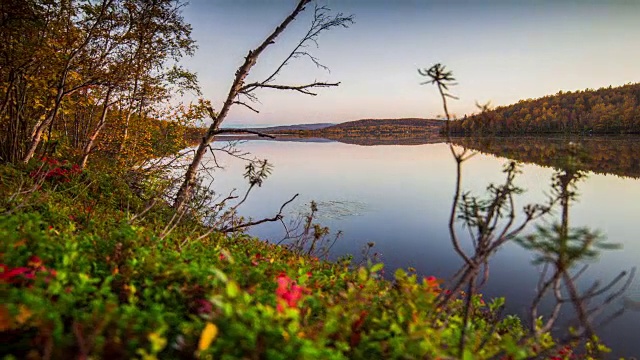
79	279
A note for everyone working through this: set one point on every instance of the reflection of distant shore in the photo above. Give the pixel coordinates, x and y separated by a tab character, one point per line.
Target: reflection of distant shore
277	138
354	140
616	155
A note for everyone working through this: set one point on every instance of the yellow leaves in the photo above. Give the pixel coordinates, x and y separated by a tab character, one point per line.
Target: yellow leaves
207	337
24	314
158	342
8	322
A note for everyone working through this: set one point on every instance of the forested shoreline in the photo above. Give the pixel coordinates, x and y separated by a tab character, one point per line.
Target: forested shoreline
611	110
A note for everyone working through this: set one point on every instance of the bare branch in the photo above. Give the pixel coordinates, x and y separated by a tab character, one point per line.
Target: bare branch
144	211
247	106
250	60
321	21
277	217
238	87
242	131
232	151
305	89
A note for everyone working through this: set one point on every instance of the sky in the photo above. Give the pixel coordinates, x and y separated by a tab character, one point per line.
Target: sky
499	51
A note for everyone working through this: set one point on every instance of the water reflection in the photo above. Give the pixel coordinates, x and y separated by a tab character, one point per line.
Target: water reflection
560	250
601	155
406	193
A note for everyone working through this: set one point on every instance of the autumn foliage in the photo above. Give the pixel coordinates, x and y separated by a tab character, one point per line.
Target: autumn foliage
93	78
603	111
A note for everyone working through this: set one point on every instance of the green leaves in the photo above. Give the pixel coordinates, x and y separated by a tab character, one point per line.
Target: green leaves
232	289
567	246
257	171
376	267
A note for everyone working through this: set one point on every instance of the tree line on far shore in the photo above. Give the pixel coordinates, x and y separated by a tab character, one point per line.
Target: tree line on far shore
612	110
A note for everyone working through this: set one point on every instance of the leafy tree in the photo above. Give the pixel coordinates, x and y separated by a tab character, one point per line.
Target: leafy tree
69	68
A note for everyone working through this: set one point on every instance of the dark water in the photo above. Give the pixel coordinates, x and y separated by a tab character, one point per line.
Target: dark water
399	197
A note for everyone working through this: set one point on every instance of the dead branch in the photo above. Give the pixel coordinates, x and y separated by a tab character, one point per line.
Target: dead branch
320	22
243	131
144	211
305	89
246	105
277	217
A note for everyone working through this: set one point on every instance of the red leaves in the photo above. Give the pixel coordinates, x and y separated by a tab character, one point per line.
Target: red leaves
17	274
53	169
288	292
564	353
431	282
203	307
9	274
356	329
35	262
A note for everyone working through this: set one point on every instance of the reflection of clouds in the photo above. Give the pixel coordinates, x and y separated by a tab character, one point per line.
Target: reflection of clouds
333	209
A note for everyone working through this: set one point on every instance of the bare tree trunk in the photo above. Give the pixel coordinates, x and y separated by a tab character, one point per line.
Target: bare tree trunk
40	126
184	193
127	119
103	117
125	134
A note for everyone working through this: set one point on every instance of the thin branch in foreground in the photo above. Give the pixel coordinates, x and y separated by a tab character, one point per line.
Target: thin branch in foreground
242	131
277	217
144	211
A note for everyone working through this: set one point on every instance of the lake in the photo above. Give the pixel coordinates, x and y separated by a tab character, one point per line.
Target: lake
399	197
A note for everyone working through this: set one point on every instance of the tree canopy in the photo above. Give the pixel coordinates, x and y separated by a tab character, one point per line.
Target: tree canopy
612	110
81	76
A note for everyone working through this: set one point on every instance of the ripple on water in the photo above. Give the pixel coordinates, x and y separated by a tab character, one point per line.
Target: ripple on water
333	209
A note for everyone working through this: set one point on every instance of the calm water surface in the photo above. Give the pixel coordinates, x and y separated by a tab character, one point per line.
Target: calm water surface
399	197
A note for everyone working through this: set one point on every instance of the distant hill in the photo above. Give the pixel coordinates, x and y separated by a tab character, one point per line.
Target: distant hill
287	128
363	131
612	110
392	125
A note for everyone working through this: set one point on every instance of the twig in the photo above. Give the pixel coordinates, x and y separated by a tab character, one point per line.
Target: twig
238	102
277	217
242	131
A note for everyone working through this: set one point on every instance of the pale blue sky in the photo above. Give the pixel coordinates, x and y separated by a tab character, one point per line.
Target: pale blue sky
500	51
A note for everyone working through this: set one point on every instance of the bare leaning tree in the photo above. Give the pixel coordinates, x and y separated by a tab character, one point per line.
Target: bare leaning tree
243	93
